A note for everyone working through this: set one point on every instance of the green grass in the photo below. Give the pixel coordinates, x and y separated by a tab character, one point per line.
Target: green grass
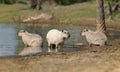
8	11
75	11
71	12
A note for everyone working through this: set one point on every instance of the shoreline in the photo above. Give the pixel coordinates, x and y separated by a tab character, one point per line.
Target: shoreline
90	59
82	22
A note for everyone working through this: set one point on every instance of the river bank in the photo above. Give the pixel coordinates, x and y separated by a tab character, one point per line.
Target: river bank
92	59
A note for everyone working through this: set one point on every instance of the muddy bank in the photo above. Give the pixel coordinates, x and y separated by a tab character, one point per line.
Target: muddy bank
80	22
91	59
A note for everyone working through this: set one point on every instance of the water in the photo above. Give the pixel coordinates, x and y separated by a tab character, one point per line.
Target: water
11	44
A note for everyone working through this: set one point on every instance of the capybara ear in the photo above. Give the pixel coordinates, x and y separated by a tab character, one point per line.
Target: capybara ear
24	30
85	30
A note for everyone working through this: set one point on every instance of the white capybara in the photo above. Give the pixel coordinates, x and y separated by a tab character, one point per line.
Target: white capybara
55	38
30	50
30	39
94	37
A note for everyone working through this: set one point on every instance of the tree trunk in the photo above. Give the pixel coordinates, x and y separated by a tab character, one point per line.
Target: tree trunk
110	10
33	4
101	27
40	4
115	6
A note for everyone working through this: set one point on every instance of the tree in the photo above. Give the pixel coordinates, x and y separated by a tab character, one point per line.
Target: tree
109	10
68	2
101	27
33	4
8	1
116	5
40	4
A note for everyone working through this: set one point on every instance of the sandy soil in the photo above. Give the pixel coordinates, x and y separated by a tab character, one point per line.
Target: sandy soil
88	59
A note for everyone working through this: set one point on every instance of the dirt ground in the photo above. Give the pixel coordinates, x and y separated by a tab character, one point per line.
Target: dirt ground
88	59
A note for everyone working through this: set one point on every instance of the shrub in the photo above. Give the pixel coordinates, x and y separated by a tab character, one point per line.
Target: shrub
8	1
67	2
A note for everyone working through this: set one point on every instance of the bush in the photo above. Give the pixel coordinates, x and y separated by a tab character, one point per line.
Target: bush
8	1
1	1
22	2
67	2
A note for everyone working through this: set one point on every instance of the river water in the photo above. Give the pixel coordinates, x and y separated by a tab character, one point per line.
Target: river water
11	44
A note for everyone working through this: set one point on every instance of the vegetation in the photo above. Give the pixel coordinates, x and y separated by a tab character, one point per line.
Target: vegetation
71	12
67	2
86	10
8	1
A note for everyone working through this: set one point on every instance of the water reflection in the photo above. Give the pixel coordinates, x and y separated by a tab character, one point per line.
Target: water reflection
30	50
